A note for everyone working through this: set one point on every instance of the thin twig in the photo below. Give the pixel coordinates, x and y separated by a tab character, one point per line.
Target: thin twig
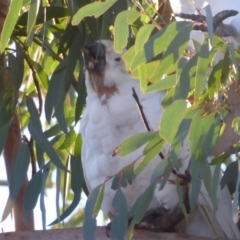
32	155
143	115
36	82
174	171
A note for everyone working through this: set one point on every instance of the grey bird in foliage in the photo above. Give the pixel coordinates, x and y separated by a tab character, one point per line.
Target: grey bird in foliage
110	117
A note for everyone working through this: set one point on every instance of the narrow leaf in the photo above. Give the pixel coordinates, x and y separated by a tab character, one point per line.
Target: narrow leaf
35	130
120	221
202	64
121	31
139	207
171	120
99	200
95	9
89	223
160	41
152	149
195	135
32	16
134	142
19	170
31	196
164	84
10	22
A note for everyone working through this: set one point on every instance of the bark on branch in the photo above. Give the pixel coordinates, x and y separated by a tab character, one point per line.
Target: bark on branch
229	136
77	234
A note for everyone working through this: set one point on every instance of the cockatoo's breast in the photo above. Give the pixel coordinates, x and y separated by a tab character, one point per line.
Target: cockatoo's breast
106	123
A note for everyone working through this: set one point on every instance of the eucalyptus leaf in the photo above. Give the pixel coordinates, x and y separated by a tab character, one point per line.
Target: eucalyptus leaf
95	9
134	142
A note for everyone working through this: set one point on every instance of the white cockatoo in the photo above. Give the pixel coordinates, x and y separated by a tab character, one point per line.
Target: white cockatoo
111	116
197	6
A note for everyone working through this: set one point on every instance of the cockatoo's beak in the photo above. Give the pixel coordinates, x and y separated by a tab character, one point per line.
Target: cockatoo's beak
94	57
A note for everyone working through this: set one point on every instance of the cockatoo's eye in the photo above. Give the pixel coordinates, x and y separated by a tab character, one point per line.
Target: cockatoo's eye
118	59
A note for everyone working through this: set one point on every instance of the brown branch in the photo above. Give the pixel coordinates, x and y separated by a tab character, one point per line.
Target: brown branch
229	136
32	155
36	82
10	152
77	234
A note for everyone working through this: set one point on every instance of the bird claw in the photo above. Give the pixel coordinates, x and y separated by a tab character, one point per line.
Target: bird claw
108	230
185	178
219	28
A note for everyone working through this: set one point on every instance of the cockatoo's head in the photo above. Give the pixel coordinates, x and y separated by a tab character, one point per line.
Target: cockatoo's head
105	68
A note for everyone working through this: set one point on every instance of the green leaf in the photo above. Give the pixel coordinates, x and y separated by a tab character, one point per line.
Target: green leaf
70	138
54	130
45	173
204	60
230	174
211	131
77	180
134	142
128	57
121	31
95	9
82	94
143	36
32	16
10	22
195	135
78	146
160	41
119	223
4	134
57	84
89	223
195	185
35	130
233	60
215	185
19	170
178	142
235	199
174	52
99	200
152	149
186	77
43	77
171	119
164	84
159	170
17	65
31	196
139	207
166	174
45	14
143	77
209	20
123	178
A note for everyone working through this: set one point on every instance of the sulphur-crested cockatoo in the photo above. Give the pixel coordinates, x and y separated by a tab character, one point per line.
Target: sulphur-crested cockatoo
111	116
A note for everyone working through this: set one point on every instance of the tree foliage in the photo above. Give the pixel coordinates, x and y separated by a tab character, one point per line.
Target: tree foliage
43	91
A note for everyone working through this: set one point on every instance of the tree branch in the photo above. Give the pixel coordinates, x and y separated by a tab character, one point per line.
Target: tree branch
229	136
77	234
